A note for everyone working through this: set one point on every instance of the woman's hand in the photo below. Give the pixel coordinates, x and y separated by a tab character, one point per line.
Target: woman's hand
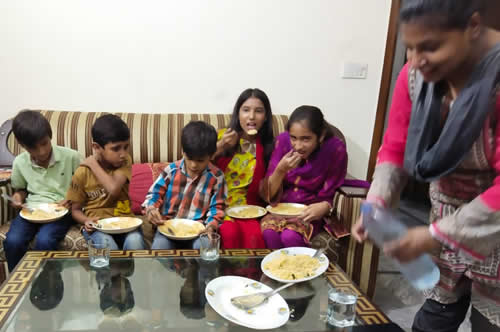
315	211
417	241
289	161
229	139
153	215
358	231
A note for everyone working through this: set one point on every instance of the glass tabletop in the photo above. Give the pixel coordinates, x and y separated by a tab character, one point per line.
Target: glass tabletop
150	294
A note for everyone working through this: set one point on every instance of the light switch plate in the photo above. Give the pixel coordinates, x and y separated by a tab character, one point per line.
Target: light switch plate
354	70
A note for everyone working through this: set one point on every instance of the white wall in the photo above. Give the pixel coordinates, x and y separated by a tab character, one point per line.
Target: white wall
195	56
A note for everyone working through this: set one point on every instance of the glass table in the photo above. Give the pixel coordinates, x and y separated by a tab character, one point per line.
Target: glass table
160	290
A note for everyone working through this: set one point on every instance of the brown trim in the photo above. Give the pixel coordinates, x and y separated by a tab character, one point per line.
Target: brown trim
385	86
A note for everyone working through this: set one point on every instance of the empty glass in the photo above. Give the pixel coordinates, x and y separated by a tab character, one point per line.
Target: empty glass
99	253
209	247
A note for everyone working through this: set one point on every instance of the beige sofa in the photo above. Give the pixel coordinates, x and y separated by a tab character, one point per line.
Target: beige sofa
155	138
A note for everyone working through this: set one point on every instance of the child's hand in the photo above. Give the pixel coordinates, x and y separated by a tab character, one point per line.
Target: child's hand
289	161
229	139
358	231
209	230
153	215
315	211
17	200
66	203
88	225
89	162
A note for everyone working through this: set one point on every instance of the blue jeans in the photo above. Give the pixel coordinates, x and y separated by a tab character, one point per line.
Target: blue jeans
160	241
128	241
21	232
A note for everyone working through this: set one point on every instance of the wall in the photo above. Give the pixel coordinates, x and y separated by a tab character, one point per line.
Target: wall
195	56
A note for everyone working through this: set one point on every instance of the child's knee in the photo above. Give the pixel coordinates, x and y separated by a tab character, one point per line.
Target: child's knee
45	242
134	241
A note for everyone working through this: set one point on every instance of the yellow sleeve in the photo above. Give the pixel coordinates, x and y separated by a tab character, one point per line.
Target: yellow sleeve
221	133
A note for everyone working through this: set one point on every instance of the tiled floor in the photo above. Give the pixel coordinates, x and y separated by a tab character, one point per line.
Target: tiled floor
394	295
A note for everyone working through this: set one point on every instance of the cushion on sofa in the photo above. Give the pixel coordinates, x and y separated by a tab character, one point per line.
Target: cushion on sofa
143	176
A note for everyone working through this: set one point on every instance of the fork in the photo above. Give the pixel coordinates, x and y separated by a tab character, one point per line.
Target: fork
24	205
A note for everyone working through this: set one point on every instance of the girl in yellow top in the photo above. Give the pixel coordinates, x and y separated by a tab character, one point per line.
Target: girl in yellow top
243	151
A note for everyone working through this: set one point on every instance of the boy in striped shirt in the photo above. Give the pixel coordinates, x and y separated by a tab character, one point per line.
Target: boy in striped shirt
190	188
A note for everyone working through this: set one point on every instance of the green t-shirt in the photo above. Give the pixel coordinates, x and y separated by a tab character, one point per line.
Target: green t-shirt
49	184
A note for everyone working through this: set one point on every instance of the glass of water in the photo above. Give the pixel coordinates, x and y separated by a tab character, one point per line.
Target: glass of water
341	307
99	252
209	246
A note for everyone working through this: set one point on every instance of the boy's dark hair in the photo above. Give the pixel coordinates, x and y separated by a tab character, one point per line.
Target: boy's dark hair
265	133
30	127
109	128
198	139
448	14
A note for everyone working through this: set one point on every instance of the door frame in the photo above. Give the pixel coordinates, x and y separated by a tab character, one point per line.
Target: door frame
385	86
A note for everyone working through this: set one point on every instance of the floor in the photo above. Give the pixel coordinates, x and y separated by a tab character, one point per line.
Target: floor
393	294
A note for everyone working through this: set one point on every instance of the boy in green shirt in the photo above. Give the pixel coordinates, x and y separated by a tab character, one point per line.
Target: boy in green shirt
41	174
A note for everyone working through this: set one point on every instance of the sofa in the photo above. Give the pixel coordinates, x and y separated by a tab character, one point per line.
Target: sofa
155	141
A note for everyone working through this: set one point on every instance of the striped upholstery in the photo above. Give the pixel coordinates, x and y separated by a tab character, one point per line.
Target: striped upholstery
155	138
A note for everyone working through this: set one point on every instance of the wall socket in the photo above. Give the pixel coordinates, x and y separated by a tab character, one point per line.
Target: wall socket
354	70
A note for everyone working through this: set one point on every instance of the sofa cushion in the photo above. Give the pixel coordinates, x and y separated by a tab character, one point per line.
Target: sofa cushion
140	182
143	176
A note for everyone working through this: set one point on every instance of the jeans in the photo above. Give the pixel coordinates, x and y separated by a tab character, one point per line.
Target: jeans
160	241
133	240
21	232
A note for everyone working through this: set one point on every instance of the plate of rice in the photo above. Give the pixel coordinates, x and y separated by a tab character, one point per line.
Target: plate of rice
246	211
181	229
119	225
294	264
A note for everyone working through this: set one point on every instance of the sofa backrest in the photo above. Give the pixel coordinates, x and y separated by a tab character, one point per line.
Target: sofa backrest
154	137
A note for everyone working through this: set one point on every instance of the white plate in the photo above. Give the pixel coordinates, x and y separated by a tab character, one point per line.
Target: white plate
234	210
275	209
175	222
46	207
105	223
270	315
323	262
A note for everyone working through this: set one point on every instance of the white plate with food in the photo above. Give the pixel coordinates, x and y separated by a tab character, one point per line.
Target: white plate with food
246	211
119	225
294	264
270	315
181	229
287	209
42	213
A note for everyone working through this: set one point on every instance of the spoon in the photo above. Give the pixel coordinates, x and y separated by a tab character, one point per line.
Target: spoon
250	301
10	199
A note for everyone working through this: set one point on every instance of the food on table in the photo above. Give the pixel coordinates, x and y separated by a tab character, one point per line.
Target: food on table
292	267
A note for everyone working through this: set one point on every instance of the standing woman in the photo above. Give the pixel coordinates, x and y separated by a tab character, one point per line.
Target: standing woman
243	152
444	128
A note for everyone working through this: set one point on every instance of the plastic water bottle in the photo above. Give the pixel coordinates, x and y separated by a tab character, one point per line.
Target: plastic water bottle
383	226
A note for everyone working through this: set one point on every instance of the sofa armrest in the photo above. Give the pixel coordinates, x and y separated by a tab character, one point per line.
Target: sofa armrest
7	212
359	261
